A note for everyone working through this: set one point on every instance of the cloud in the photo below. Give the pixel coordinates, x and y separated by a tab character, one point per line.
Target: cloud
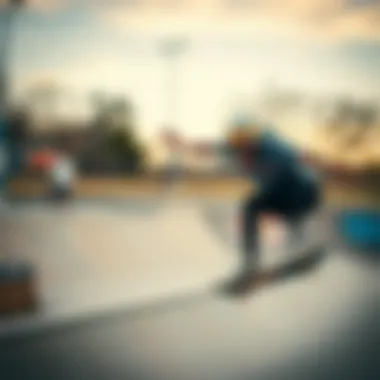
326	19
41	5
320	19
360	23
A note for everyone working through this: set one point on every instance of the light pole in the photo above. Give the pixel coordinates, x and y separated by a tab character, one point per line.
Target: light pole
9	13
171	50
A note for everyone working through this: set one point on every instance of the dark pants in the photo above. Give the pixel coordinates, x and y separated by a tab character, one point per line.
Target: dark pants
291	199
60	193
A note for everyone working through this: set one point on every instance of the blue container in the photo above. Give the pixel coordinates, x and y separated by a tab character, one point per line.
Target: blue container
361	229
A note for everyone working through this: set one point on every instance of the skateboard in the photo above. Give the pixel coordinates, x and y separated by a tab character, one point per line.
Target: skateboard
298	266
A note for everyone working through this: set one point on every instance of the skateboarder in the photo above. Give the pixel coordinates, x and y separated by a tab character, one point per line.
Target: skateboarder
286	187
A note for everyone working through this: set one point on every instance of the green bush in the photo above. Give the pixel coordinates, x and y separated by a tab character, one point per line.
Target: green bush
125	148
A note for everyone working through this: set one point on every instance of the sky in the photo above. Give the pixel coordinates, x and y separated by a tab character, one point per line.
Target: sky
232	50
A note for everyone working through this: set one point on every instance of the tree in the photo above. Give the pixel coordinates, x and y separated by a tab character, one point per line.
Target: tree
43	97
98	100
353	121
111	111
18	134
113	135
276	101
123	146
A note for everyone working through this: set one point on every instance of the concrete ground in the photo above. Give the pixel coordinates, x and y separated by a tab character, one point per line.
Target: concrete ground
337	192
147	269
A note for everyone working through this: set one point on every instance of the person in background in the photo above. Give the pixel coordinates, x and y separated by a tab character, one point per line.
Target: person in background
62	176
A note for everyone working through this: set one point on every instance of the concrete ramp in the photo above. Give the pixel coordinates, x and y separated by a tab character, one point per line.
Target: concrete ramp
147	278
93	260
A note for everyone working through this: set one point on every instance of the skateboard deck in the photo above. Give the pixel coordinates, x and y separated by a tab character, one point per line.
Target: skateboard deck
298	266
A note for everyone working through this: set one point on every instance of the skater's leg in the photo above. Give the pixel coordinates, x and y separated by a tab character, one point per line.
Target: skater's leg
297	233
289	199
250	212
251	209
301	213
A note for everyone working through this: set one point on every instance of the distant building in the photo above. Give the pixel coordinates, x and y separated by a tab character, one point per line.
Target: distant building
202	157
